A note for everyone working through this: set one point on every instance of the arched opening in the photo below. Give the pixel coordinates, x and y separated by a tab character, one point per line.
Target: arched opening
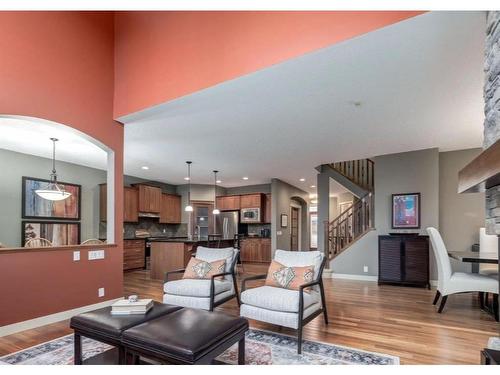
82	163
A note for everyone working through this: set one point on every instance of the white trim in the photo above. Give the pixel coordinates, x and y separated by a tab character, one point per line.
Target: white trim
347	276
354	277
52	318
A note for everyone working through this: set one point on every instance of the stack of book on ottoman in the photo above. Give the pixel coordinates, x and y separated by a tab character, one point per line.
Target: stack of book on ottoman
131	306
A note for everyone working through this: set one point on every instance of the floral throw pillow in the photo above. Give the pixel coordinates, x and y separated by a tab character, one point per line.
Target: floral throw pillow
285	277
199	269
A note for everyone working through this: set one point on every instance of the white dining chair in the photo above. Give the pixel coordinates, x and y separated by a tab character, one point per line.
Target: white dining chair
450	282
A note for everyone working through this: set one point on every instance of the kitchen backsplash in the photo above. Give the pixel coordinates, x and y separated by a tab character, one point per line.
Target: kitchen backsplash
256	228
152	226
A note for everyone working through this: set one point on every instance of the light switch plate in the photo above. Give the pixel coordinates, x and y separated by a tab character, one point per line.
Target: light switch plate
365	268
100	292
76	256
279	233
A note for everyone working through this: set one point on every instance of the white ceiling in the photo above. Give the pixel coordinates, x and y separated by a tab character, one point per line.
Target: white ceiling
419	83
32	136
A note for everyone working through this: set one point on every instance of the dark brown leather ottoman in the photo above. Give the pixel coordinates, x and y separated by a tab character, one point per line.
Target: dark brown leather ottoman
100	325
187	336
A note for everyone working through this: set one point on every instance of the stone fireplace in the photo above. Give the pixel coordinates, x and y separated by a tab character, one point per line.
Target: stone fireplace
492	112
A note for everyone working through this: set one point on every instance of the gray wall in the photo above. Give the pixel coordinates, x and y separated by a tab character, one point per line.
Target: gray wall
282	194
14	165
264	188
435	176
460	215
409	172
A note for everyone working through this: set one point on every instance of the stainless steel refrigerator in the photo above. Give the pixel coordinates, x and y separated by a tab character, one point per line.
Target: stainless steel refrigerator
226	223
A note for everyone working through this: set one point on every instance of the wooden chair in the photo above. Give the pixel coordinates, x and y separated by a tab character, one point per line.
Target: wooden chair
38	242
93	241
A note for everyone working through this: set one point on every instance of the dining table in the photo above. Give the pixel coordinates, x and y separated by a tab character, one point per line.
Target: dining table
478	257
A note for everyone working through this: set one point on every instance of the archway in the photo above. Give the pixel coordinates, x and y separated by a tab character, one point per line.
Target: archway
31	136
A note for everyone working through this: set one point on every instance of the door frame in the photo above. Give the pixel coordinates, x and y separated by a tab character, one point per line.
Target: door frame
299	226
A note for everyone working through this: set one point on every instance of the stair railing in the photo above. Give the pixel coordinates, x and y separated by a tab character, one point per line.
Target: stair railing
360	172
350	225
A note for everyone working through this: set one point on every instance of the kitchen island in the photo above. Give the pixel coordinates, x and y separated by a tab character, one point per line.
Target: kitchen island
169	254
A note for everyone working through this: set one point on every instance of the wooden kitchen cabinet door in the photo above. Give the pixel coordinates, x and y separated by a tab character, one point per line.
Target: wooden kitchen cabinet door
170	210
130	205
251	201
149	199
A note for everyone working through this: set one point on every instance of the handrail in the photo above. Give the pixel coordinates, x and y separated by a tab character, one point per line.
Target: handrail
360	172
350	225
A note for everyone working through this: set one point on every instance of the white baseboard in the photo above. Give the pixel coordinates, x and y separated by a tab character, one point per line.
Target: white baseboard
52	318
348	276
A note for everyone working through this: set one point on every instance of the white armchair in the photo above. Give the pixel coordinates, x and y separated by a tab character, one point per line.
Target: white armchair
450	282
205	294
285	307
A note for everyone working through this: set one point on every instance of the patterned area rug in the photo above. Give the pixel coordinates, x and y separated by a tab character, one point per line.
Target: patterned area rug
262	348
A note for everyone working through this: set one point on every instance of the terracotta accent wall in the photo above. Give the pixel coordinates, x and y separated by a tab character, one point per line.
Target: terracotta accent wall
161	56
59	66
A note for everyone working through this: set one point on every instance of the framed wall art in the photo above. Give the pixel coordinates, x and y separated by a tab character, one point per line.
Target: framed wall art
35	207
60	233
406	211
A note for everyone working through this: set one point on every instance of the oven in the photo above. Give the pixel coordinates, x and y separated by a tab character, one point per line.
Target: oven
250	215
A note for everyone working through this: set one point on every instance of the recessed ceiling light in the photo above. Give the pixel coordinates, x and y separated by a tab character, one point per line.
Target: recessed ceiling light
313	186
302	179
187	178
245	178
145	168
218	181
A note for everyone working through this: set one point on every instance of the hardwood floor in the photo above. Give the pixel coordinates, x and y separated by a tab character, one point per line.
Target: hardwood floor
389	319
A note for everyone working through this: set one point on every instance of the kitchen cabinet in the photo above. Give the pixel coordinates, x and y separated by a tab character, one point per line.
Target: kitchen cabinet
169	256
134	254
251	201
228	203
130	205
103	202
404	260
255	250
267	209
170	209
149	198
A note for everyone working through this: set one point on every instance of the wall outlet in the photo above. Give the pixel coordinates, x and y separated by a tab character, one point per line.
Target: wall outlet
279	233
100	292
164	230
365	269
76	256
96	254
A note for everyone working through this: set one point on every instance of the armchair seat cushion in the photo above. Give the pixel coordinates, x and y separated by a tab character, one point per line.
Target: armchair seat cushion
278	299
196	288
470	282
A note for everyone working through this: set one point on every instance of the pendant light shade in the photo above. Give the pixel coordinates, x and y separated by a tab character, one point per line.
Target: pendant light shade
189	208
216	211
53	192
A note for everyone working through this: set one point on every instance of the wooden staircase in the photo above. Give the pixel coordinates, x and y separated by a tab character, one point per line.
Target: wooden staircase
354	222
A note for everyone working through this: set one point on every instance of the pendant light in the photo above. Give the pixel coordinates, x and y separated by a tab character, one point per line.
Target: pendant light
53	192
189	208
216	210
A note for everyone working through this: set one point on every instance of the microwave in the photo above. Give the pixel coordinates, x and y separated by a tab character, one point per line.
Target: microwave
250	215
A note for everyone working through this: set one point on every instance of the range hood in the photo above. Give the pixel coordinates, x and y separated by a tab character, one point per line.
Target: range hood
148	214
481	173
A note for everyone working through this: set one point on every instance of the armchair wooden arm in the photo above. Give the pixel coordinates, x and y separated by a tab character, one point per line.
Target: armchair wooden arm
167	274
250	278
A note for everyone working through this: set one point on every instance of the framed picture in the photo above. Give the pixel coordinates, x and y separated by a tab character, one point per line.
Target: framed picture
35	207
60	233
284	220
406	211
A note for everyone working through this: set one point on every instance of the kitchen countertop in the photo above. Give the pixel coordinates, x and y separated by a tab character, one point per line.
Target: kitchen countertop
184	240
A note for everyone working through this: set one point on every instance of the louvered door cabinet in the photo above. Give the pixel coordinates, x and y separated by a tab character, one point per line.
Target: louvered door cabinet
404	260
